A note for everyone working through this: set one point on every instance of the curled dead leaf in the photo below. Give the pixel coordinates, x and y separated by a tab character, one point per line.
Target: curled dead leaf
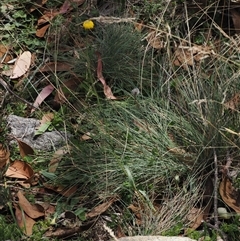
187	157
46	91
155	40
195	217
138	211
4	54
24	221
189	55
101	208
19	169
108	92
56	66
47	117
234	102
57	156
65	191
106	89
25	149
42	30
4	156
64	91
22	65
86	136
229	194
32	210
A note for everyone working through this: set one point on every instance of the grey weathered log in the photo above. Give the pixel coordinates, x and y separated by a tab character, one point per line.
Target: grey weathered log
25	128
155	238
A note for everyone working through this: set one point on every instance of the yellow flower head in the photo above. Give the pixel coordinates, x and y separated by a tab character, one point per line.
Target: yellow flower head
88	24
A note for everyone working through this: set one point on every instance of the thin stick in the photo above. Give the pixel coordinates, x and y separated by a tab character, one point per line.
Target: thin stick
215	191
7	88
227	166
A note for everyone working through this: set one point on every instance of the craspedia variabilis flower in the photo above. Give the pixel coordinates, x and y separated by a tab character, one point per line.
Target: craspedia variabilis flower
88	24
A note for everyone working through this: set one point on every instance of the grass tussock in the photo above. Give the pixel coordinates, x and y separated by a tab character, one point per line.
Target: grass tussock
140	144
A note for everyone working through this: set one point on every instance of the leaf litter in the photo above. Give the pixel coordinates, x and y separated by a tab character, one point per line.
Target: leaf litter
22	65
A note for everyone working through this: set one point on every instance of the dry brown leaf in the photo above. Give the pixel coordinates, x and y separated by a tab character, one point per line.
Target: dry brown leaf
62	232
45	92
139	26
47	17
47	117
189	55
45	122
33	211
65	191
155	40
19	169
24	184
137	210
48	208
42	30
79	2
234	102
120	232
229	195
4	156
86	136
101	208
195	217
57	156
25	149
22	65
44	21
24	221
187	157
37	5
4	54
107	90
64	91
56	66
142	125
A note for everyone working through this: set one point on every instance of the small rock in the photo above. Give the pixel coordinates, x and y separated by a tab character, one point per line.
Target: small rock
24	129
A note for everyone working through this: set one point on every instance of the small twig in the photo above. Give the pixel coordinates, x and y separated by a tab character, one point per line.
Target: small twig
215	191
109	20
3	99
227	166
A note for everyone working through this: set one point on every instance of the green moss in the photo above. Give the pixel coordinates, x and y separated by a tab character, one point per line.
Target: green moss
174	231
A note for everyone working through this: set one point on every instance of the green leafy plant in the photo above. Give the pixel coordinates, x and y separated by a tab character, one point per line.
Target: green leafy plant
19	28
